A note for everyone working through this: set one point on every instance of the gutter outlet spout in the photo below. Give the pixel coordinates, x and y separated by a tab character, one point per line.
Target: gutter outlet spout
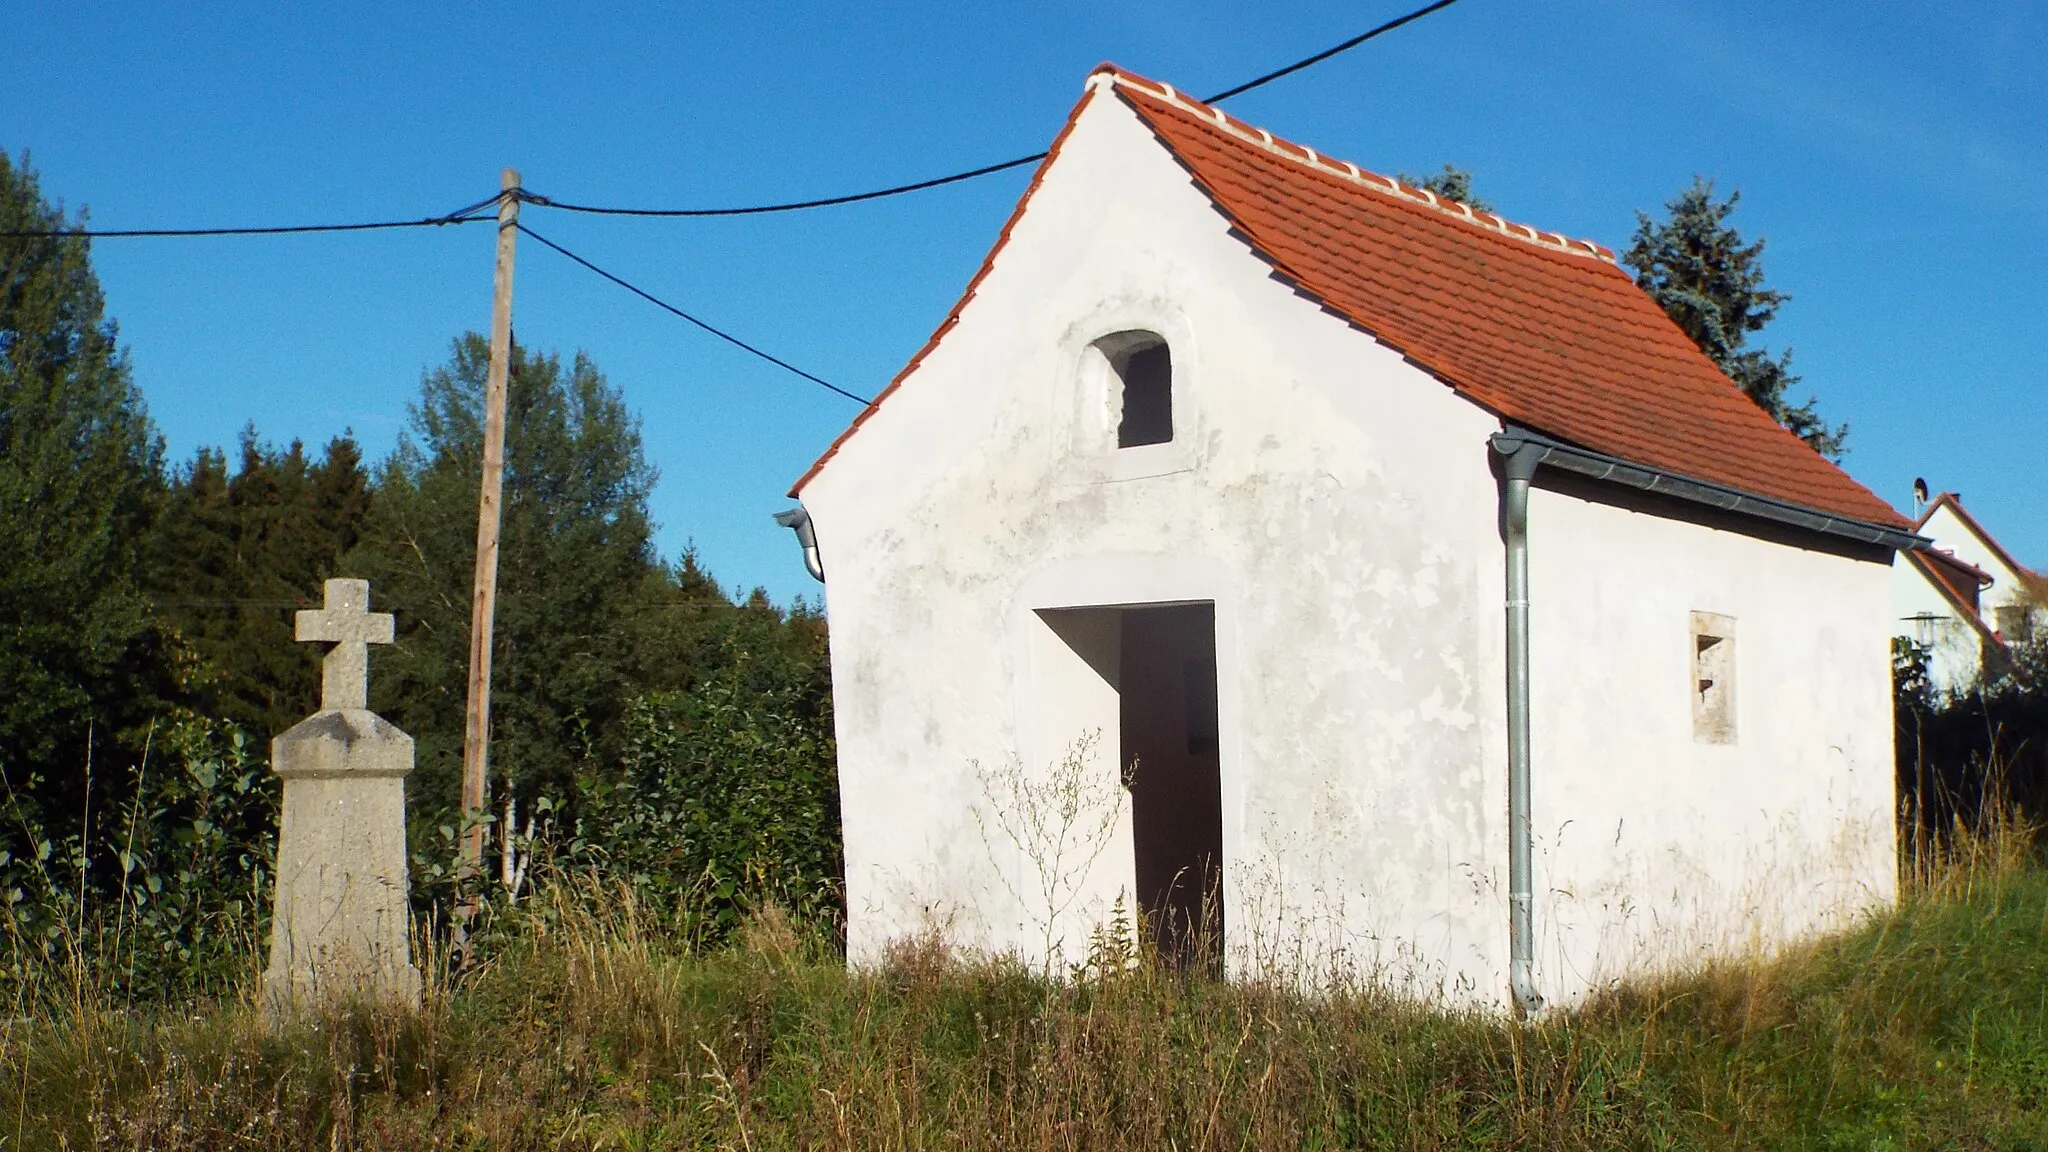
799	521
1519	459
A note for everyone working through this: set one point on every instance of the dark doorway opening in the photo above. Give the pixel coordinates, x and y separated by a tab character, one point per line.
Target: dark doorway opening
1167	705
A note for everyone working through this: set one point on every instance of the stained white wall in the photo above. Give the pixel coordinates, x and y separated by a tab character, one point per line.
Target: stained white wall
1333	501
1330	499
1655	847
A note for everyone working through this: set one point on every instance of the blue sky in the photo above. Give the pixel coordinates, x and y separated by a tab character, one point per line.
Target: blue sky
1895	156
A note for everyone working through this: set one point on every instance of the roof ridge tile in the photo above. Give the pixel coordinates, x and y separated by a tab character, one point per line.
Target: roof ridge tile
1346	170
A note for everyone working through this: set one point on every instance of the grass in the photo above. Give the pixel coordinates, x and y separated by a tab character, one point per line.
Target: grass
595	1027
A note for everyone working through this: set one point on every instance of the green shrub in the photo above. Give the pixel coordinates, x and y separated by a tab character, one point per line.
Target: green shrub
161	899
727	798
1974	755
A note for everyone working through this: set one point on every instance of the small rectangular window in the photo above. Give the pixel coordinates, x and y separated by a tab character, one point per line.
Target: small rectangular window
1147	375
1713	678
2015	623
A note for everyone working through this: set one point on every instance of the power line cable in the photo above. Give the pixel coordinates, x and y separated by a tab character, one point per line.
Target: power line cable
1326	53
793	206
467	215
973	173
728	337
225	602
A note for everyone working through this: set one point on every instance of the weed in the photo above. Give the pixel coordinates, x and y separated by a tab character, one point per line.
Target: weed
595	1021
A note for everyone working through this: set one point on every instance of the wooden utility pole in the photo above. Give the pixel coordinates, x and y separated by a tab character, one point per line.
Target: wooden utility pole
476	736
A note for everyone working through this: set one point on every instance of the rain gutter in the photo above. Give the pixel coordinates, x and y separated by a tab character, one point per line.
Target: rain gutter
1600	466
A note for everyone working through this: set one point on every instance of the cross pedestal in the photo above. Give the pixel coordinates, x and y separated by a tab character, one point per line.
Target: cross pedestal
339	928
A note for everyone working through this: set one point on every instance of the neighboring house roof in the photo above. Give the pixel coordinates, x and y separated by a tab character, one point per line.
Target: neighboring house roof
2035	582
1959	576
1544	331
1931	565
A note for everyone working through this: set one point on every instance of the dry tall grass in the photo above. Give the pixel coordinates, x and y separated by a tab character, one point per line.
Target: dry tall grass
594	1026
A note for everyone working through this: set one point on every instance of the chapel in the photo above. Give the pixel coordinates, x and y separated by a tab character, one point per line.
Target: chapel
1302	571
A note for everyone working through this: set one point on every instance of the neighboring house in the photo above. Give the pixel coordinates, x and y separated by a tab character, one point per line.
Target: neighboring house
1223	478
1936	599
1964	599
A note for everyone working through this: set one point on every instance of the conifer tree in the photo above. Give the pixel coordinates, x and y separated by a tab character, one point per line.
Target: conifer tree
80	475
234	553
1453	183
1696	265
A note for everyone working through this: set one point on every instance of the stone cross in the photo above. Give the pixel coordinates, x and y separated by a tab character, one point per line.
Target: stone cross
348	624
339	927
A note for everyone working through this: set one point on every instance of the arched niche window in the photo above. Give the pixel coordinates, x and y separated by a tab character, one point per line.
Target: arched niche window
1143	370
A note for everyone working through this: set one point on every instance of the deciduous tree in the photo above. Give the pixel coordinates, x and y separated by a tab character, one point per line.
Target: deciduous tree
575	566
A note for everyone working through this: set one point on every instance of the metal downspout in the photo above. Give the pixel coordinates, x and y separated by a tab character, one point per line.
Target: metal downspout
1518	465
798	520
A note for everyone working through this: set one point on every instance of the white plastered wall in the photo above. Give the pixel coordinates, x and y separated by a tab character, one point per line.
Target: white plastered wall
1655	848
1333	501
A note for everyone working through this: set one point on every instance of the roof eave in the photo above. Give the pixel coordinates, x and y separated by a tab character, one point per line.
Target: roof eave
1963	611
1647	478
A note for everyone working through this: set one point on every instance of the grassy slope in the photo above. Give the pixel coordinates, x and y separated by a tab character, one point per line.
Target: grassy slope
1929	1029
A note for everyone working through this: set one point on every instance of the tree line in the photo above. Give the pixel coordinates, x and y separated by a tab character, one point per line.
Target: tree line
146	630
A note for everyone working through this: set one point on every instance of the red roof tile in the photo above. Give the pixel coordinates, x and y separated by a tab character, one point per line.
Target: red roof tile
1961	577
1542	330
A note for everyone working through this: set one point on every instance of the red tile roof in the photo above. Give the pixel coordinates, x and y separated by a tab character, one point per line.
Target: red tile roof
1544	331
1958	575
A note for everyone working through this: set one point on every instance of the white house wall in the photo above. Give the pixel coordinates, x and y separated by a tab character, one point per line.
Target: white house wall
1923	614
2008	587
1653	846
1332	500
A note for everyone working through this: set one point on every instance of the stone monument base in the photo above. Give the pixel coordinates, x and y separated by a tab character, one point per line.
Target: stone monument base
340	926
